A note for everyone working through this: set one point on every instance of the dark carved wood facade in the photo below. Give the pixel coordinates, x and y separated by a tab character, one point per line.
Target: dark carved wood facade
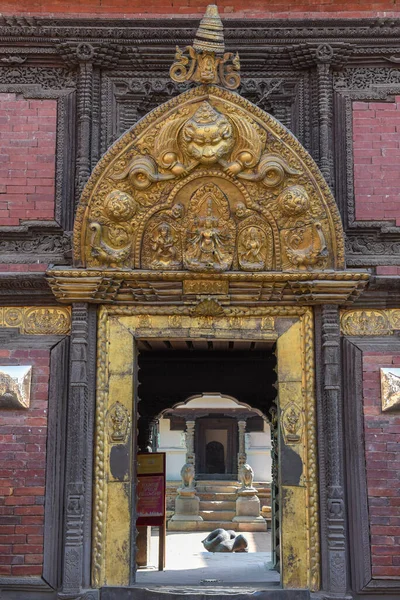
106	75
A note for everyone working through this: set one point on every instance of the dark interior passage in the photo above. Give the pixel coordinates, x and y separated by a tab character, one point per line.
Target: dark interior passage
169	375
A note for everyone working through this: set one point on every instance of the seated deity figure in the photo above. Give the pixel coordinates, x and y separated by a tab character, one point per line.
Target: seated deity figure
164	246
206	243
252	251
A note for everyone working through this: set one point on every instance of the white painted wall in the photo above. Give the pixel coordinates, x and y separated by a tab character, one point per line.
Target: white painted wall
173	444
258	449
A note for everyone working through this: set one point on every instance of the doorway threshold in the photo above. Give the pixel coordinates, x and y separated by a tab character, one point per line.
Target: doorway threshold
183	592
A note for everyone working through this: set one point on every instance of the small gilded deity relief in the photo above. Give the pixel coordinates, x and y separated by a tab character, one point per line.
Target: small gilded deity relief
118	421
292	424
390	389
253	249
162	244
210	231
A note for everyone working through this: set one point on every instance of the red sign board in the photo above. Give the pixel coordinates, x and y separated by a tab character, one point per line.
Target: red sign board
151	488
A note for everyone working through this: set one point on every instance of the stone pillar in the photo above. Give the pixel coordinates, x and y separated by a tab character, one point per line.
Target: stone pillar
241	457
189	435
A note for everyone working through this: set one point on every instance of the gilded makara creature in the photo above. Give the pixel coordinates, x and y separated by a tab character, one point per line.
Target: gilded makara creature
110	239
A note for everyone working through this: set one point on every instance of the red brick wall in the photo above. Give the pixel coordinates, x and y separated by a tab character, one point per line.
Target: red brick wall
376	139
382	449
27	158
22	268
22	471
251	8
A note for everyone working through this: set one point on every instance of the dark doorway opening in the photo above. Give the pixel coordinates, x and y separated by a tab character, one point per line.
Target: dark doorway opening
171	375
171	371
216	447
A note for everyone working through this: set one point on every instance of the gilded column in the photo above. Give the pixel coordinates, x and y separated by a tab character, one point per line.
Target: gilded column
242	457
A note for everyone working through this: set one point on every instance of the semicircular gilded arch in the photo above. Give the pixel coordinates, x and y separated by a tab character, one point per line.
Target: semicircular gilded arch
208	182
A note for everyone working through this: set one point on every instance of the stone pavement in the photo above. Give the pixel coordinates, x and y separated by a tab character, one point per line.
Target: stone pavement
187	563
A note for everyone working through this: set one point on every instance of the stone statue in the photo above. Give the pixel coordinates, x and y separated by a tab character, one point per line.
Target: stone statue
187	474
246	477
221	540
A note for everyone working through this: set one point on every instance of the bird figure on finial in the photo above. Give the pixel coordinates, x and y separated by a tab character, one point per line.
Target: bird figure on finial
207	62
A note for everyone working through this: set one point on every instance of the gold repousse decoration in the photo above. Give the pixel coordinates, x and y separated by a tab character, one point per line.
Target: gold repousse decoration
118	326
207	61
205	185
367	322
390	388
208	182
37	320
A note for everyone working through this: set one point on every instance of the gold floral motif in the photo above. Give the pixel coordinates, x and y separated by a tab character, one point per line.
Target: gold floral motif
366	322
37	320
175	321
13	317
209	307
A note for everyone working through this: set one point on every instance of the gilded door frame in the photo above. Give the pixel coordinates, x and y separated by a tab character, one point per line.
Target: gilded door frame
118	327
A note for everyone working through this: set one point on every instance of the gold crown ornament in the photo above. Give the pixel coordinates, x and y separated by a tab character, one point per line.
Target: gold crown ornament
206	62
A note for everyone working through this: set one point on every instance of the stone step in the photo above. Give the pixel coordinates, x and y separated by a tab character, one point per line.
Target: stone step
209	526
217	515
217	496
201	487
233	482
217	505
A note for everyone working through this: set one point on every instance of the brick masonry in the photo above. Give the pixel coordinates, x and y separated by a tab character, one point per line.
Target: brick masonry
22	471
382	452
376	142
23	268
27	159
234	8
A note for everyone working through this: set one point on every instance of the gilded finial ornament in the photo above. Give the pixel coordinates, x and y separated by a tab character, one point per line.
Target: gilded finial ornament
207	62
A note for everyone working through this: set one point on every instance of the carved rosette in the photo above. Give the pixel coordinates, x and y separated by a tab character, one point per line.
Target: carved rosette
208	182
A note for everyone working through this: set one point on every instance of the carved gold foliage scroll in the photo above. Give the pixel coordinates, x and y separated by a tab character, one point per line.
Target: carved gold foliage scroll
370	322
37	320
208	183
